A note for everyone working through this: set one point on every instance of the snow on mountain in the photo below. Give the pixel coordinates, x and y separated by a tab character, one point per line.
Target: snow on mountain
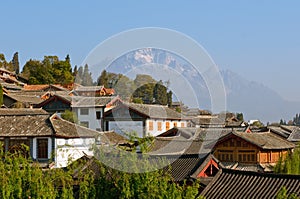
252	98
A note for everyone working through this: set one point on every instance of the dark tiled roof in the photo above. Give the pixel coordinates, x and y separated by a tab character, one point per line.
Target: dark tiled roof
9	86
29	92
22	111
265	140
92	101
25	125
155	111
280	131
207	137
182	167
112	138
243	167
169	146
291	133
42	87
204	162
245	184
67	129
88	88
31	99
208	121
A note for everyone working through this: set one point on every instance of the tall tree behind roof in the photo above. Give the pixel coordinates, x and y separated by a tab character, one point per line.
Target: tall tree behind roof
1	95
15	63
87	79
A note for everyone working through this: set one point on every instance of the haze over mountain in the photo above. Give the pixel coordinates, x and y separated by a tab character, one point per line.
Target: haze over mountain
254	99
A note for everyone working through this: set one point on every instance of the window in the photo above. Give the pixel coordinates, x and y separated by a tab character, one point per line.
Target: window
238	143
247	156
98	115
42	148
84	111
225	155
175	124
182	124
167	125
150	126
85	124
159	127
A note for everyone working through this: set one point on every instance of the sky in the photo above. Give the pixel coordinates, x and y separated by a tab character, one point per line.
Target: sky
258	39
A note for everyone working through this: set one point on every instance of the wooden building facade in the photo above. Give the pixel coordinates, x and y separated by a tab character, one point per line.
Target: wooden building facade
252	148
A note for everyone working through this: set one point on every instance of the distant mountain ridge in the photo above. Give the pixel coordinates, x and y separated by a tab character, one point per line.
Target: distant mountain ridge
254	99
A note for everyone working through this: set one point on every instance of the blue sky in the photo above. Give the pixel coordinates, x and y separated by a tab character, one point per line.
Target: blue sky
259	40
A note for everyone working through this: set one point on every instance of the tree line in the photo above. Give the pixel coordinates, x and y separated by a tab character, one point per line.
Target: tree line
52	70
21	177
143	89
13	65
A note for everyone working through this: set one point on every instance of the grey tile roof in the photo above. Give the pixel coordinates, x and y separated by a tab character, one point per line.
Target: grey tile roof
246	184
88	88
37	122
9	86
112	138
173	146
31	99
243	167
22	111
181	167
265	140
91	101
207	137
156	111
208	121
25	125
291	133
65	129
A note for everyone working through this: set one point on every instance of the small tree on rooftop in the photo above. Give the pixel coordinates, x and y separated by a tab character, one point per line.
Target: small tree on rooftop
69	116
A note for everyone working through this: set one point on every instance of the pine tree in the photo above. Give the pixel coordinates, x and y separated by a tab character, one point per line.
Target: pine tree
15	63
103	79
87	77
160	93
240	116
170	100
1	95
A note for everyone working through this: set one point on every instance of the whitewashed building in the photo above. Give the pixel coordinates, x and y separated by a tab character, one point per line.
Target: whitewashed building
142	119
89	111
49	138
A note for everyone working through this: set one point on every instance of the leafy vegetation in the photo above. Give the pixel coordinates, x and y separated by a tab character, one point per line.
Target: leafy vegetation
69	116
282	194
23	178
13	65
49	71
291	164
143	89
240	116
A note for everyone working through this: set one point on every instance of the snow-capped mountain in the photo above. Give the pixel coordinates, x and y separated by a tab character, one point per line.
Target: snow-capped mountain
252	98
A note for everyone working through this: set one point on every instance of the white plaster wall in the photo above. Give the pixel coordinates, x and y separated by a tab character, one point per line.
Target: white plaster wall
91	117
126	126
68	150
156	132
